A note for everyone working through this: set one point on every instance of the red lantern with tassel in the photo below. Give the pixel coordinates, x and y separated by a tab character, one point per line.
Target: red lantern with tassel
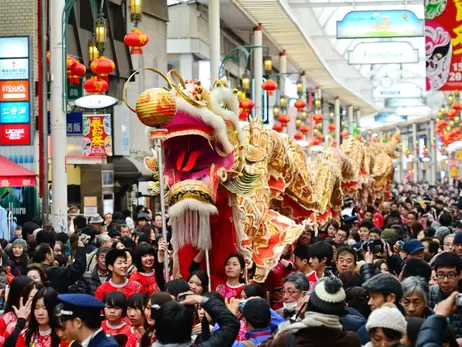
95	85
300	104
269	86
318	118
451	113
102	67
343	134
71	62
304	129
457	107
298	136
246	104
331	127
243	114
136	39
278	127
284	119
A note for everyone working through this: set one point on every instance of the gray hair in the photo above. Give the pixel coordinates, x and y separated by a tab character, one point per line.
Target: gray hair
415	284
299	280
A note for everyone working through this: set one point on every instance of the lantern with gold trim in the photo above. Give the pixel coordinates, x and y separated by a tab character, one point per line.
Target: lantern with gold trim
298	136
75	73
300	104
284	119
136	39
102	67
278	127
269	86
95	85
71	62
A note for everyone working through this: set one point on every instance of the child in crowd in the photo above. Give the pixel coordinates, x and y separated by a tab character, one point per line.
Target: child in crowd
135	314
115	310
234	270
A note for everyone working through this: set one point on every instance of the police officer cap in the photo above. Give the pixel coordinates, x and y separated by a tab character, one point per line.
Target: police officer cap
81	301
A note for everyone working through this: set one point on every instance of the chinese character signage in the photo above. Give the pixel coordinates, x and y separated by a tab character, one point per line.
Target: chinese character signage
443	45
380	24
97	135
74	124
74	91
15	91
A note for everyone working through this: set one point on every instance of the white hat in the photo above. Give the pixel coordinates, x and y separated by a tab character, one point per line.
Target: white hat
96	219
387	317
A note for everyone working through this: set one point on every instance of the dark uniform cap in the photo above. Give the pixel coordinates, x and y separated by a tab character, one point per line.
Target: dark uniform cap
80	301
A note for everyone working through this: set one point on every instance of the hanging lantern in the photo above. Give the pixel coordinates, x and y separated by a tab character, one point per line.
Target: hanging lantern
317	103
299	87
315	142
71	62
300	104
304	129
246	104
100	33
318	118
315	132
331	127
136	39
318	126
321	137
268	64
298	136
102	67
135	11
269	86
79	70
303	115
298	123
278	127
276	111
95	85
243	114
93	52
73	79
283	101
451	113
245	82
344	134
284	119
334	143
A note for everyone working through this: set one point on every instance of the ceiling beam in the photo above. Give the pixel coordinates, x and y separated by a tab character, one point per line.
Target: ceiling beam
355	4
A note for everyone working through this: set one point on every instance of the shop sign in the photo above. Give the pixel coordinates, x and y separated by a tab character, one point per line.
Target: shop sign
14	69
14	90
397	52
90	205
97	135
443	45
380	24
398	90
74	91
14	112
74	123
14	134
14	47
405	102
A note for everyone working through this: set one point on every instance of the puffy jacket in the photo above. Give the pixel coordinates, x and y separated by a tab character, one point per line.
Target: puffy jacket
435	297
367	271
353	321
61	278
431	332
88	284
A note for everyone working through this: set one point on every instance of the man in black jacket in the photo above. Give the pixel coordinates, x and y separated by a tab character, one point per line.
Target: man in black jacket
174	323
61	278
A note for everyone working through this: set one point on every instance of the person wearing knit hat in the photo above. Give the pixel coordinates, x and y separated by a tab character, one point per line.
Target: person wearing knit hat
442	232
19	257
389	235
386	326
458	243
321	324
20	242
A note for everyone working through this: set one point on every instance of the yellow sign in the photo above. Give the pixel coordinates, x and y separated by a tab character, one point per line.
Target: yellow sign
454	172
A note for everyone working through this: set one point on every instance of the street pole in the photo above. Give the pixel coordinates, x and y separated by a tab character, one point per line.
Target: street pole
44	112
282	71
258	70
337	121
214	39
58	118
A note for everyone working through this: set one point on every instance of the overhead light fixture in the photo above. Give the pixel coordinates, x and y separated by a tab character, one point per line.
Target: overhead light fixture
100	33
135	11
268	64
283	102
93	52
245	81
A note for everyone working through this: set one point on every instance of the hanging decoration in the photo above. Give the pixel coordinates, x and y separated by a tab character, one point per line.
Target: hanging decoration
269	86
76	73
95	85
102	67
245	107
136	39
278	127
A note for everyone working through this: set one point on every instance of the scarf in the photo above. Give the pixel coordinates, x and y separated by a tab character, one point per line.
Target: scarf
312	320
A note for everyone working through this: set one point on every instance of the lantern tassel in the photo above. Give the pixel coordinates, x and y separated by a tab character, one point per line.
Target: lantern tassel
136	50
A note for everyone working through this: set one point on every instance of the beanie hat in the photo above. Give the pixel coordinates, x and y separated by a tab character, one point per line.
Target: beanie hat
328	297
20	242
384	283
388	317
257	313
442	232
390	236
457	237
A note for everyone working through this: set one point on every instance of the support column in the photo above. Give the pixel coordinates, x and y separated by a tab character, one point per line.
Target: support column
415	155
350	120
58	118
258	70
402	166
282	71
434	161
337	120
186	66
214	39
325	122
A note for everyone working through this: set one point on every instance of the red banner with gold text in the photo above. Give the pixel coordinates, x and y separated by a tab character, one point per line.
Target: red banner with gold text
97	135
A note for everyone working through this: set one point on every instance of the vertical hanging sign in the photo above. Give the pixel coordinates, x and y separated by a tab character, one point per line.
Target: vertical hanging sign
97	135
443	45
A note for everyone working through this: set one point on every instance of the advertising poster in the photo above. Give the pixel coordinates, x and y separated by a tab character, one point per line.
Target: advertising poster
97	135
443	45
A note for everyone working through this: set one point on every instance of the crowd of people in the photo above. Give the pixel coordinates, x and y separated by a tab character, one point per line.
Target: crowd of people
387	275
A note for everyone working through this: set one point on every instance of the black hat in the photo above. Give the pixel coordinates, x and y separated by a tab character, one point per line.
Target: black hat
257	313
328	297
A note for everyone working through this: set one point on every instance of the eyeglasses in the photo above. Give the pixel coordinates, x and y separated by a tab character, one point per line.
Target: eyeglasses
450	276
290	292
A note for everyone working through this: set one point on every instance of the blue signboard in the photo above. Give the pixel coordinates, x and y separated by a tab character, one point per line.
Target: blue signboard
14	112
380	24
74	123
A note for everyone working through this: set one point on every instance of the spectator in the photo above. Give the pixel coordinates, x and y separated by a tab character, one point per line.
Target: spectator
458	243
365	229
386	326
346	259
414	249
416	267
295	288
415	297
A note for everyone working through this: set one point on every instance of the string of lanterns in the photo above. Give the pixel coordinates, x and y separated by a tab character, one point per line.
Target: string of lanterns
448	122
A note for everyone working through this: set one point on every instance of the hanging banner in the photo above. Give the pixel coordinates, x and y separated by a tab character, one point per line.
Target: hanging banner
396	52
97	135
379	24
443	45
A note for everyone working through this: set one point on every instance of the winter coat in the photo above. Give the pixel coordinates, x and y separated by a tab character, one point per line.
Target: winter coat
315	337
435	296
88	284
367	271
431	332
61	278
256	336
353	320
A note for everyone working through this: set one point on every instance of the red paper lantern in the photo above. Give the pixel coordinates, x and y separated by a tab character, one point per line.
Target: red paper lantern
457	107
331	127
102	67
359	138
246	104
300	104
284	119
315	142
318	118
320	137
343	134
136	39
451	113
269	86
298	136
243	114
304	129
96	85
79	70
278	127
71	62
334	143
73	79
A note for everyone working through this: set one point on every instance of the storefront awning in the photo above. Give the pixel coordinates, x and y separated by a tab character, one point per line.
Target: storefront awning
14	175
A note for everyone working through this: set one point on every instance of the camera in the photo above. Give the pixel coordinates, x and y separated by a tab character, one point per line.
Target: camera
372	245
459	301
